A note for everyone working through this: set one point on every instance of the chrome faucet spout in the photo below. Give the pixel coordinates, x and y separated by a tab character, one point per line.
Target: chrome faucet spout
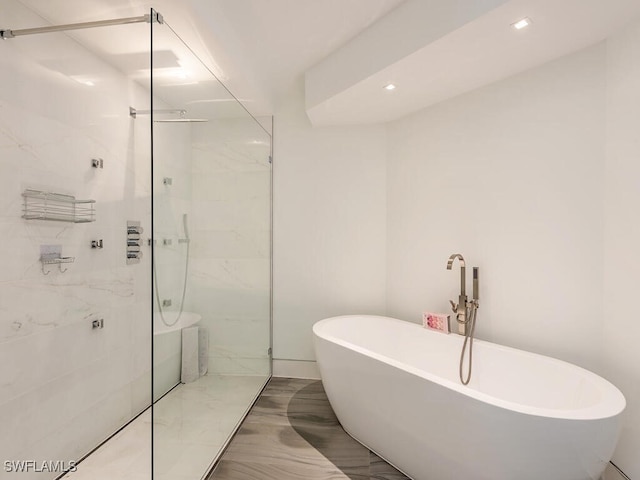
462	271
460	308
452	258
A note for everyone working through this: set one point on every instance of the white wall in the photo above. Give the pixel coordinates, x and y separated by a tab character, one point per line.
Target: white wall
63	386
510	176
622	236
329	226
535	180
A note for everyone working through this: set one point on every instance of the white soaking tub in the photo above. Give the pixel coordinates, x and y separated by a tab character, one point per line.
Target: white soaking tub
394	387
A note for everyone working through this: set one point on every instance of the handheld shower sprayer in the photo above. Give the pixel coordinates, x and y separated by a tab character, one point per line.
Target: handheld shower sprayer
185	226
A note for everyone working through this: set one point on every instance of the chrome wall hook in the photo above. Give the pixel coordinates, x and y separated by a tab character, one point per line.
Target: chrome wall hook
52	255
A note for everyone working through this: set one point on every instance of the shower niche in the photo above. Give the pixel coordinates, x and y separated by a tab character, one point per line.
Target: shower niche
190	278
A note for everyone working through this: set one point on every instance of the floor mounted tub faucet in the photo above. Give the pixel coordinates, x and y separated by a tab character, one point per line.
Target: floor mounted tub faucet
460	309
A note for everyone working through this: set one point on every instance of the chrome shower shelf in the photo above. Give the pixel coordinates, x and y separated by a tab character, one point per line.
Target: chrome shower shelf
40	205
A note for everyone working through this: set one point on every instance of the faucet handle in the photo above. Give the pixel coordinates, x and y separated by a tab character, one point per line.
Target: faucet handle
454	306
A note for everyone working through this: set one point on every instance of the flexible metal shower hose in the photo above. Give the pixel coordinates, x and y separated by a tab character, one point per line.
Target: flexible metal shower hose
184	284
471	319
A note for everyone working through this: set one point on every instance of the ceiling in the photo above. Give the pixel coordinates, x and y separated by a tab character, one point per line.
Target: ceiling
258	48
452	53
347	50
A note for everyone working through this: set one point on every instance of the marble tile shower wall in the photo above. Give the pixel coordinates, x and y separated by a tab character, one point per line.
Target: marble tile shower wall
230	269
172	199
172	161
65	387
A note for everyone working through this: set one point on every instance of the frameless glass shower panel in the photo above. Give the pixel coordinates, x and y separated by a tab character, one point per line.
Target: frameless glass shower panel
211	243
75	342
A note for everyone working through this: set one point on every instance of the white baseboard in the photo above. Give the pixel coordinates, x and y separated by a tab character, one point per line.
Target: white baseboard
296	369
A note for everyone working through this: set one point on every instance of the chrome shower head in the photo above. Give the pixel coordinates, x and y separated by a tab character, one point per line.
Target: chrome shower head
181	112
184	120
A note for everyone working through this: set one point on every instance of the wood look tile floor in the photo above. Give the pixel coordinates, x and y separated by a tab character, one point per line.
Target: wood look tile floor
292	433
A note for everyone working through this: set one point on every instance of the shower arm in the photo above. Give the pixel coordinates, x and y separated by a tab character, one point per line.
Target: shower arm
148	18
133	112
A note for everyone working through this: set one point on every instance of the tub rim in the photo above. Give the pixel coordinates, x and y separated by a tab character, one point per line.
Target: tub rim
611	403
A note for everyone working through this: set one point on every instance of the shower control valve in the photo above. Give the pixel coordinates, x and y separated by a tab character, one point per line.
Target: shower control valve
134	242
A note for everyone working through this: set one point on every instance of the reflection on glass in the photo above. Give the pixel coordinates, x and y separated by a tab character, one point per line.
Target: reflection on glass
211	245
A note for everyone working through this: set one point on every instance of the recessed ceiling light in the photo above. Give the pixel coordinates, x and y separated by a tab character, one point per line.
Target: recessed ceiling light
520	24
390	86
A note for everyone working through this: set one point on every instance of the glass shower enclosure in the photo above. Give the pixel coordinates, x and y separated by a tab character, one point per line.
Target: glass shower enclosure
135	202
211	251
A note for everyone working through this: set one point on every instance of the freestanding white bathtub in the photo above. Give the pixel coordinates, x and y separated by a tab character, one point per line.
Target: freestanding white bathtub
394	387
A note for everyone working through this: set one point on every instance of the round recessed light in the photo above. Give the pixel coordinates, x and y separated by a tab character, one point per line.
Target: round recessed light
389	86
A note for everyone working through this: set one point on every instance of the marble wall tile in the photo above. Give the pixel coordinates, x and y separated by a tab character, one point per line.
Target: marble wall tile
235	365
59	299
230	144
209	215
236	244
250	275
231	185
243	336
238	345
63	385
214	298
93	388
243	215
